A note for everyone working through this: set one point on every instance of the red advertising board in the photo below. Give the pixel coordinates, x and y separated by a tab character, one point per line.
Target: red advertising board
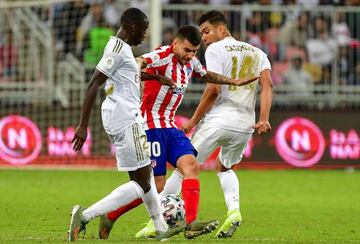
297	140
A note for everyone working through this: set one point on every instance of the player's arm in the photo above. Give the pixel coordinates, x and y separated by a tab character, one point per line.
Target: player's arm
143	63
263	125
215	78
109	63
161	79
97	80
208	99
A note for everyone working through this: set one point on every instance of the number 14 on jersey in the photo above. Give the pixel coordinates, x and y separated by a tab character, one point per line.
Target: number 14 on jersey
246	70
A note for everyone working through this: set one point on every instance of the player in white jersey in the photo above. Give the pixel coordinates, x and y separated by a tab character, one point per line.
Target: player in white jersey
227	113
122	122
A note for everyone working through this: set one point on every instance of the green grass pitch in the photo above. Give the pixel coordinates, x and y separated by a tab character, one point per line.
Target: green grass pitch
288	206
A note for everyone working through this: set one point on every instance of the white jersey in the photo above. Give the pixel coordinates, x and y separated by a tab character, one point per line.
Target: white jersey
235	107
121	108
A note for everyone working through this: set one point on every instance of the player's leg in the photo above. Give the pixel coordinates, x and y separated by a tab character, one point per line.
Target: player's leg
205	140
157	158
149	231
152	204
119	197
129	158
132	156
204	143
159	152
151	198
182	155
172	186
231	153
190	185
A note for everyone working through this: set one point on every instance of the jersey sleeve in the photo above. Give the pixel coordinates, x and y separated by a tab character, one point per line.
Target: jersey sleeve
199	69
265	64
158	57
213	60
111	59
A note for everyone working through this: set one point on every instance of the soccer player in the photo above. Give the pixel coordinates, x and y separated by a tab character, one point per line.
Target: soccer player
227	113
167	143
122	121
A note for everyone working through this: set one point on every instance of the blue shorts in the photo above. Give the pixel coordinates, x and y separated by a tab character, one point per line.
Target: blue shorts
167	145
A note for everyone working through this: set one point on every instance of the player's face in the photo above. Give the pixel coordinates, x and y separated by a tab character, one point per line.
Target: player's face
184	50
139	32
210	33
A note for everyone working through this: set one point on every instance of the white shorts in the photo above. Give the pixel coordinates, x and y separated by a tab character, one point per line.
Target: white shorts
131	148
208	137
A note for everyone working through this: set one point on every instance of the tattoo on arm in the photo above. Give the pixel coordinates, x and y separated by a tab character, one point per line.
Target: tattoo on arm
215	78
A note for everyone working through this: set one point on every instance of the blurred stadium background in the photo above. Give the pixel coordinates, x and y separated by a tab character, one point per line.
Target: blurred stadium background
48	51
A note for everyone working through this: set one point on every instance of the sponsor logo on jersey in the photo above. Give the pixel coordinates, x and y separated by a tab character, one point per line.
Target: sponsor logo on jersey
109	62
180	89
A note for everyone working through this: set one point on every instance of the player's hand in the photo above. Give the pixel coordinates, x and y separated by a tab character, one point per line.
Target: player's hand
188	126
262	127
79	138
244	81
166	81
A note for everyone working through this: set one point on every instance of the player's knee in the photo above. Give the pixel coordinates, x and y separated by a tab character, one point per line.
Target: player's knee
142	177
145	185
220	167
191	168
179	171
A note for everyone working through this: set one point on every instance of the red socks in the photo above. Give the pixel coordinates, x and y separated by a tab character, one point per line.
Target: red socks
114	215
191	195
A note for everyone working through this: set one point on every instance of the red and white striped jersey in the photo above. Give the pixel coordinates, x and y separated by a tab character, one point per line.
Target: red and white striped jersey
159	104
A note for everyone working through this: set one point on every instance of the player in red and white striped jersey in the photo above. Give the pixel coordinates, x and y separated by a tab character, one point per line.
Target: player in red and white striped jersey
166	142
158	104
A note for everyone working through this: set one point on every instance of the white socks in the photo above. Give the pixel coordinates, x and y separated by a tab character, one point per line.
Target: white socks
230	185
152	204
121	196
173	184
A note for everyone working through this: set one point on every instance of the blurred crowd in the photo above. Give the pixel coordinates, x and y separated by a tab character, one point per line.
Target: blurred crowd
304	46
307	3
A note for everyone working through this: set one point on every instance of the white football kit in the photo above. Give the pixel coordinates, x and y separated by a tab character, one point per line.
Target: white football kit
229	122
120	111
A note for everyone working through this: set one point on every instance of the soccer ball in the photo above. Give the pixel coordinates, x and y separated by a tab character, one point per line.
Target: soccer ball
174	210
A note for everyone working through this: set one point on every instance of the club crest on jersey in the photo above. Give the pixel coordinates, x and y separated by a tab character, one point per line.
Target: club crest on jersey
109	62
155	58
180	89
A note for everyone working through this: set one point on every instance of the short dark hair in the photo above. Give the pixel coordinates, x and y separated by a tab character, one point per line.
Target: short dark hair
132	16
190	33
213	16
